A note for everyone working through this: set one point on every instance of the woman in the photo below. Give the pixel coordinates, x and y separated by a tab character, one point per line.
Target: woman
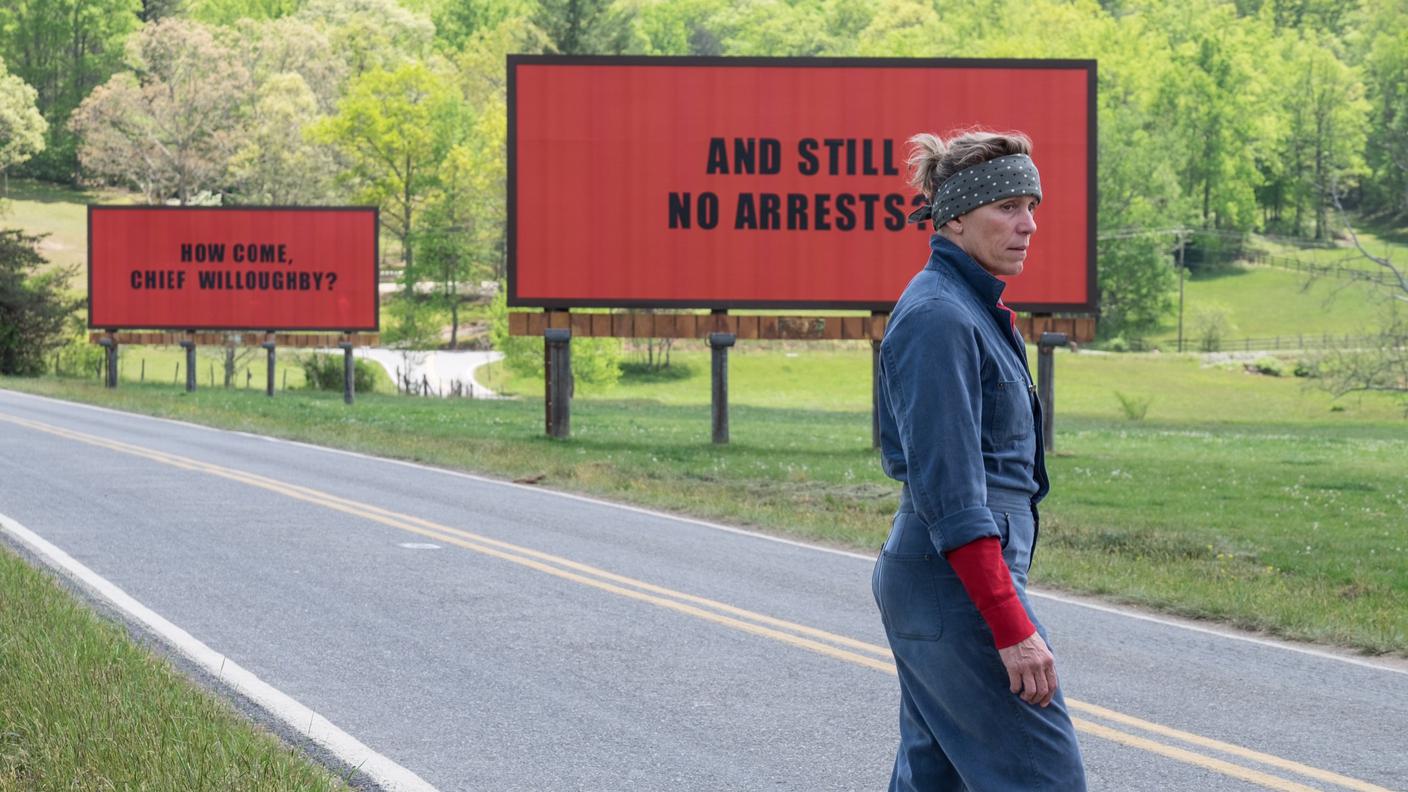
980	705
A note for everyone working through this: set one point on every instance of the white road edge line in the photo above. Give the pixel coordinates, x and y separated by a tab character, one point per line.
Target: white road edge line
1065	600
389	775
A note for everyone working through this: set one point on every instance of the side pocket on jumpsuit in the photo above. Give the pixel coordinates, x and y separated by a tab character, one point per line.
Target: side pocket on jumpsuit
908	596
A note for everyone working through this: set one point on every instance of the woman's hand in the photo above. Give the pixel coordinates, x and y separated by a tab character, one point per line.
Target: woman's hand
1031	670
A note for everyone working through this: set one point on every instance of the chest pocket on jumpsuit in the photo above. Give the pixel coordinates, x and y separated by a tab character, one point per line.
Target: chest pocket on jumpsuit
1007	412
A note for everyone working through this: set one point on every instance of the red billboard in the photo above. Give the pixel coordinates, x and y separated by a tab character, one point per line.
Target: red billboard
245	268
773	182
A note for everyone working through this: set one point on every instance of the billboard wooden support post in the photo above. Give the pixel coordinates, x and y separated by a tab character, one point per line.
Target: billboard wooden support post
269	347
190	347
109	345
718	346
1046	384
557	351
874	394
349	368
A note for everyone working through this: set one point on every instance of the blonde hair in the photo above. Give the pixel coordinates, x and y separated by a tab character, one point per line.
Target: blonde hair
932	160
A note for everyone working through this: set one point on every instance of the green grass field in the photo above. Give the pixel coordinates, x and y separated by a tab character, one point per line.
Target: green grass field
82	707
61	214
1271	302
1255	500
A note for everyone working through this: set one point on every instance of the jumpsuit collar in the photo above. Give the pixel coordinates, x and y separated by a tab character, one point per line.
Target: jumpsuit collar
988	288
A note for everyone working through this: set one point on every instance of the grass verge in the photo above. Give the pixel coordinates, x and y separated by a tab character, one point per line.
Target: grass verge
83	707
1239	498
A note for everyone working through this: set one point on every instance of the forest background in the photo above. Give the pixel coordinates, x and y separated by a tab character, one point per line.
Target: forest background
1220	116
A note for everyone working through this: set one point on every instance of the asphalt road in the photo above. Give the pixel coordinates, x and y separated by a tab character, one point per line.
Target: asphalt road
478	635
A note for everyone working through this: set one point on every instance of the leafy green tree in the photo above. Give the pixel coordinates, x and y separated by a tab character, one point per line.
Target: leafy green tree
905	28
229	12
153	10
63	49
684	27
394	128
1326	130
445	246
457	21
584	27
168	127
371	35
276	163
21	126
287	45
1216	96
776	27
415	322
1384	29
33	306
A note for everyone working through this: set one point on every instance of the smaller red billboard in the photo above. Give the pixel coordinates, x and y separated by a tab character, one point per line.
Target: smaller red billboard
245	268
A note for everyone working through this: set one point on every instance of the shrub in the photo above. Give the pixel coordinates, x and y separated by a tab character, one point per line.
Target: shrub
324	372
1211	324
641	372
1268	365
595	361
1134	407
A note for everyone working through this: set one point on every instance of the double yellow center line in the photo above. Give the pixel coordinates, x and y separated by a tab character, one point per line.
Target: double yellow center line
812	639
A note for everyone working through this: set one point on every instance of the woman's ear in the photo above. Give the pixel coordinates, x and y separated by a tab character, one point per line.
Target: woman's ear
955	225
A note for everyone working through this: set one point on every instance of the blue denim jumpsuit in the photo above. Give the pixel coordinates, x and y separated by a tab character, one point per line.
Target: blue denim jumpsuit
958	423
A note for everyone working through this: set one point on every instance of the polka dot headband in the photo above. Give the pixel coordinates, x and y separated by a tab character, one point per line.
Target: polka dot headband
1003	177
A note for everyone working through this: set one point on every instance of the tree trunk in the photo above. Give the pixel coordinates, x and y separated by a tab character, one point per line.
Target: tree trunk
229	365
454	323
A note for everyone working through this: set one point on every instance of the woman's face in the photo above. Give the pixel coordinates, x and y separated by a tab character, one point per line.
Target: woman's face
997	235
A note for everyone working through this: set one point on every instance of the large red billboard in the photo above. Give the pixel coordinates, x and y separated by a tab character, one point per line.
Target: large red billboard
245	268
771	183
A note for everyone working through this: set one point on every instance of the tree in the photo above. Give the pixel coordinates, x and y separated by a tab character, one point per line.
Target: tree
444	245
1385	27
33	306
484	87
63	48
1324	141
152	10
21	126
169	126
229	12
585	27
276	163
371	35
394	128
458	21
268	48
685	27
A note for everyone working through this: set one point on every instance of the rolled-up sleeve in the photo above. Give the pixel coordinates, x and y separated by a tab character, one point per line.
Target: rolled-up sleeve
933	388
